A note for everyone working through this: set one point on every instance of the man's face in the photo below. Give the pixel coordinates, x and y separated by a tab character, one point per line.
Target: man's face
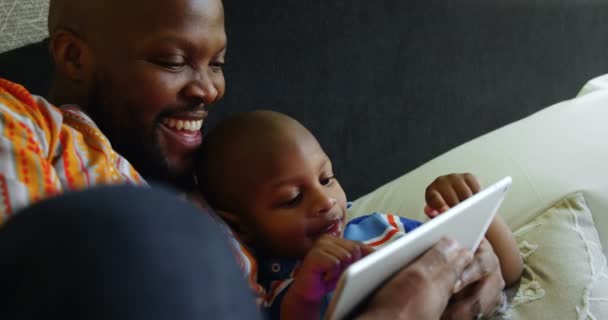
297	200
156	72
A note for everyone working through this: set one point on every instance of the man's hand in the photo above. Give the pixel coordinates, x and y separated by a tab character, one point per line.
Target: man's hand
483	286
448	191
422	289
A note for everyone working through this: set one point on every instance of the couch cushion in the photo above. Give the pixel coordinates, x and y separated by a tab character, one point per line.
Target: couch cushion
22	22
564	266
557	151
30	66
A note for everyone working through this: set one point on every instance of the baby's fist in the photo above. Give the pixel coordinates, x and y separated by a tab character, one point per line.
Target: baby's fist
448	191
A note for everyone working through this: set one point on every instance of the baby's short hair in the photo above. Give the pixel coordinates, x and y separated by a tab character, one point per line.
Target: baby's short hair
222	161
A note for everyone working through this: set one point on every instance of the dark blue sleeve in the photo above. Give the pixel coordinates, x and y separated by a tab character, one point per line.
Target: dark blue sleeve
274	311
409	224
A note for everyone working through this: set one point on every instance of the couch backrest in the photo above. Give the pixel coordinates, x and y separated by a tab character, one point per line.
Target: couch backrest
387	85
556	152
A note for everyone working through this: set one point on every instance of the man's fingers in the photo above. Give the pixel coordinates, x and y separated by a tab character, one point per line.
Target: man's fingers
467	308
450	258
482	299
441	266
484	263
429	280
451	252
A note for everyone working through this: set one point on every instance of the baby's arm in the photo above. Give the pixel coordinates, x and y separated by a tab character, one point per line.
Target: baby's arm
318	276
501	238
448	191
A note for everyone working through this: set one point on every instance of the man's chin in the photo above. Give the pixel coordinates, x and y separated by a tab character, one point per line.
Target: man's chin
156	169
180	174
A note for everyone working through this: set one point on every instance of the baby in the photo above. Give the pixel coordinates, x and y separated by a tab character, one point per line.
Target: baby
271	181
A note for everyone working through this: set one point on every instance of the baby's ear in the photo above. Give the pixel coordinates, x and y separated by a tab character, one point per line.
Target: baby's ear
235	222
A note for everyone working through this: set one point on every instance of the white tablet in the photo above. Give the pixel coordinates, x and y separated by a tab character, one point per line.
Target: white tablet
466	223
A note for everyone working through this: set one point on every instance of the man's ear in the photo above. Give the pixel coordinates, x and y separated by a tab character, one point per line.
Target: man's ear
71	55
236	223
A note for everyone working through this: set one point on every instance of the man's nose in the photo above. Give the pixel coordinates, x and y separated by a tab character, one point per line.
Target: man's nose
201	89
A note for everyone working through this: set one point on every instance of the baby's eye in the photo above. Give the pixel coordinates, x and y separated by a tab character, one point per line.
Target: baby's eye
292	202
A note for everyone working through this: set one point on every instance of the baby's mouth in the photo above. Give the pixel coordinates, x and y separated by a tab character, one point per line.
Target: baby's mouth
334	229
334	226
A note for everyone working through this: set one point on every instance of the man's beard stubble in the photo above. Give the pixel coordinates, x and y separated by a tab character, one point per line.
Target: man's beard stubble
132	140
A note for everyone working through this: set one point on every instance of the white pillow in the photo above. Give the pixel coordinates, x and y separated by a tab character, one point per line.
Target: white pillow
565	273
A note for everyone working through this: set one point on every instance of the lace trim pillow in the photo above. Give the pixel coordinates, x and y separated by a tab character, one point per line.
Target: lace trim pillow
565	273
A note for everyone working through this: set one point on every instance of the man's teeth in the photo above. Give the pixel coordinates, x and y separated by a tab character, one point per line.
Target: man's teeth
186	125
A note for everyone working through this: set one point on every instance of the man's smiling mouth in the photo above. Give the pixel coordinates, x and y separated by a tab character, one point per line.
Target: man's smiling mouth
183	131
185	125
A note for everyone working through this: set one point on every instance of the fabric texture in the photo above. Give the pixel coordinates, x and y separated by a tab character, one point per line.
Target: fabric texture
554	152
417	77
375	230
121	253
565	273
22	22
45	151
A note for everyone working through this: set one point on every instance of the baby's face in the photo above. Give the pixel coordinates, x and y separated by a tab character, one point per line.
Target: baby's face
296	200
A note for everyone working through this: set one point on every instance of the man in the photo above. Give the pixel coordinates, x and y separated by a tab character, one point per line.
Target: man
138	79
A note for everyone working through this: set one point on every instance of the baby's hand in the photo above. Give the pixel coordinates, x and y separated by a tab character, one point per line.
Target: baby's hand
447	191
323	265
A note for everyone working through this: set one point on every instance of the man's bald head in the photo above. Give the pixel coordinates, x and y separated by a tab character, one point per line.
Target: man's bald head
83	16
76	15
133	65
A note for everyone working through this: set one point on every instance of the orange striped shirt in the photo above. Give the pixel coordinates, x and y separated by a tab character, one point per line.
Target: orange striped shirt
45	151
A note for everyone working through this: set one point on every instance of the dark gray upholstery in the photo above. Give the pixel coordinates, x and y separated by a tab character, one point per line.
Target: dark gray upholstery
387	85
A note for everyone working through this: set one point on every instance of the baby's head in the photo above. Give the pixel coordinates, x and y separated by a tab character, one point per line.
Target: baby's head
272	182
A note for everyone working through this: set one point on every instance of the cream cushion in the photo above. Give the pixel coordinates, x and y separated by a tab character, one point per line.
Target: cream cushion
558	159
564	265
552	153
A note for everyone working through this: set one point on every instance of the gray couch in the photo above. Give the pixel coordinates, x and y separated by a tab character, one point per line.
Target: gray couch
387	85
557	206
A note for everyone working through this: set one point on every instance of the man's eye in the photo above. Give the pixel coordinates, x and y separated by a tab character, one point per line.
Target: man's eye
327	181
171	65
217	66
